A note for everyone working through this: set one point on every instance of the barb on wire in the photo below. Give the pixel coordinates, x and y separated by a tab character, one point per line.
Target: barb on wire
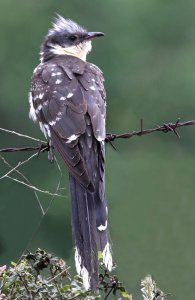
165	128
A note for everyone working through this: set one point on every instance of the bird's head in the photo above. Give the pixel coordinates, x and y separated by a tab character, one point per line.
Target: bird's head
67	38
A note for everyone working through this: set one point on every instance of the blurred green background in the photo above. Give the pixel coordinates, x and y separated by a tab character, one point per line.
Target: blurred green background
148	59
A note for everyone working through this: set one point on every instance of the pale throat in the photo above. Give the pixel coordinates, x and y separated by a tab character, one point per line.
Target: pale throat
81	50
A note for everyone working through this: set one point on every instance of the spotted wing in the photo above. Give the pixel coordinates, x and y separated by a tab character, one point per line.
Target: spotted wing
61	97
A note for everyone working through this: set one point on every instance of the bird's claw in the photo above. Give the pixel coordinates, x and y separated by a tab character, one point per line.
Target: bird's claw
50	152
47	147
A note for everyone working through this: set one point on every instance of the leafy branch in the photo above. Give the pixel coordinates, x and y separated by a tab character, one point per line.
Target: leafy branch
41	275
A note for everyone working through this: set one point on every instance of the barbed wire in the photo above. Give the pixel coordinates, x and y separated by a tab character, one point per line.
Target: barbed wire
110	137
165	128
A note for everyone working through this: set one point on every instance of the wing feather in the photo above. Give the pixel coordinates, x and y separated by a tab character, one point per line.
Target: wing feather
63	92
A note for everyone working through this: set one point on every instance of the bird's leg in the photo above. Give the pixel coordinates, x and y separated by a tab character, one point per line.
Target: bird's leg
42	148
47	147
50	151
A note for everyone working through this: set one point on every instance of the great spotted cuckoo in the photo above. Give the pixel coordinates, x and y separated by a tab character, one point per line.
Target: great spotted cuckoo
67	99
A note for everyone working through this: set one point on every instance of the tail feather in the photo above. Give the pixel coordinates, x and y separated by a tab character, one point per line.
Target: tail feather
103	232
102	210
90	230
85	234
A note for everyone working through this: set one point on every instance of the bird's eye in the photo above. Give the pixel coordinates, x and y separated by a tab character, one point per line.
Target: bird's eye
73	38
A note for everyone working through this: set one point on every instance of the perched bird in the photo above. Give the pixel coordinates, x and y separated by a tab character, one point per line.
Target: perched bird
67	98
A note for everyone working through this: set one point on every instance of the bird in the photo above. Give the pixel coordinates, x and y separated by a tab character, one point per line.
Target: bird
68	100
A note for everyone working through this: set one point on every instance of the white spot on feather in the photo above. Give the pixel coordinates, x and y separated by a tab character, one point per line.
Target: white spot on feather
69	95
82	271
35	70
54	121
107	257
58	81
41	95
62	98
32	113
92	88
102	227
59	113
72	138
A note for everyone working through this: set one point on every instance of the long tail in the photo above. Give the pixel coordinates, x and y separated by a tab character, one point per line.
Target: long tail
85	234
89	214
90	234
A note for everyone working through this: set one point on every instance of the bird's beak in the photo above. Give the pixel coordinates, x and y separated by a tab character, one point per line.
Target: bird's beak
92	35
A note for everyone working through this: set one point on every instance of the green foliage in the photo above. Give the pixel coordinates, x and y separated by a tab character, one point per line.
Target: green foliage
44	276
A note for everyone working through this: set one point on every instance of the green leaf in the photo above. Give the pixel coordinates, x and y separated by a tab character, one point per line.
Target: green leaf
99	255
65	288
127	295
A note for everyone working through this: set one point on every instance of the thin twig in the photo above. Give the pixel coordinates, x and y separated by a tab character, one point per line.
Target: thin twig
26	286
45	212
56	283
21	135
34	187
18	165
25	178
109	293
59	274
